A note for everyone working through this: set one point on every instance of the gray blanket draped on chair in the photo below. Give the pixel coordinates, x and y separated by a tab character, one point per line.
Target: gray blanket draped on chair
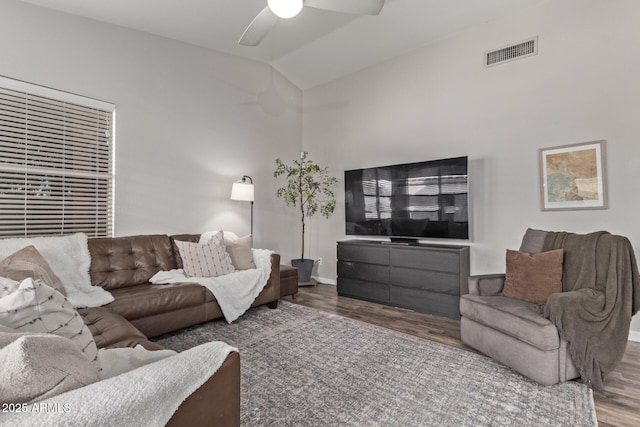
601	292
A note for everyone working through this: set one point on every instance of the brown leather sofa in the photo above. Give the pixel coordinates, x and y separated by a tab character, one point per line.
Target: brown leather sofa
123	266
216	402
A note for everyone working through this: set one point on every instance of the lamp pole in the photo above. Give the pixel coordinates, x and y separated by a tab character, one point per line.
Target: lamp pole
244	178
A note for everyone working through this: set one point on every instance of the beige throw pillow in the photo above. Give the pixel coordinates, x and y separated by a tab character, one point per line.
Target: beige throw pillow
240	252
36	307
208	260
533	277
27	262
39	366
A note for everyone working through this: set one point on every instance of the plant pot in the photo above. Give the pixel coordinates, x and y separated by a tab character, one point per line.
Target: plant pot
304	266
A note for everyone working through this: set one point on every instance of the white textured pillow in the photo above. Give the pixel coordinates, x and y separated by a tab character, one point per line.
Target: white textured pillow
39	366
207	235
208	260
36	307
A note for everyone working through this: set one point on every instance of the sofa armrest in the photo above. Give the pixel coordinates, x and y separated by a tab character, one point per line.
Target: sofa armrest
486	284
275	275
216	402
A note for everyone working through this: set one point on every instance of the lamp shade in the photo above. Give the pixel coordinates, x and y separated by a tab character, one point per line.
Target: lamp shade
285	8
242	191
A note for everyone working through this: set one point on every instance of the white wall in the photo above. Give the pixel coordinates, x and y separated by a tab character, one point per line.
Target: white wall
189	122
440	102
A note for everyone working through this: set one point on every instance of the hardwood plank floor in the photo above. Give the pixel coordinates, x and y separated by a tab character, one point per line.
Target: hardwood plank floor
617	405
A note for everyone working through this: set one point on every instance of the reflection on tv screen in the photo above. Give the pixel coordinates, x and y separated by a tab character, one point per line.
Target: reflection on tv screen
417	200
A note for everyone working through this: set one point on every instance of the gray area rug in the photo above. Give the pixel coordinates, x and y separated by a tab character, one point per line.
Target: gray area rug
304	367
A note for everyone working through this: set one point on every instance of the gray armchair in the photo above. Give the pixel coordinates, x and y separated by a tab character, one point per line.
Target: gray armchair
585	326
513	333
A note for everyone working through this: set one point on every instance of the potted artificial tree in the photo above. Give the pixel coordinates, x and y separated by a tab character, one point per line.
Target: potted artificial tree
308	187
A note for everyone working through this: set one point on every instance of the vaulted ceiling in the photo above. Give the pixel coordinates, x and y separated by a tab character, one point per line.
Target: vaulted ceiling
316	46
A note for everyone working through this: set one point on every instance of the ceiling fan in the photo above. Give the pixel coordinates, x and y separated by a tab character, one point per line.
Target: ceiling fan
276	9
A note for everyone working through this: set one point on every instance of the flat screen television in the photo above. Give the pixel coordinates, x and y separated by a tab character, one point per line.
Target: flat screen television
409	201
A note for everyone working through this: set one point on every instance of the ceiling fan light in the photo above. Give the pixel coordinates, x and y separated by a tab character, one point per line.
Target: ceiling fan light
285	8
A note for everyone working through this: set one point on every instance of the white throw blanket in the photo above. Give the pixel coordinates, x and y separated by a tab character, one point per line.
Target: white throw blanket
68	257
235	292
147	396
116	361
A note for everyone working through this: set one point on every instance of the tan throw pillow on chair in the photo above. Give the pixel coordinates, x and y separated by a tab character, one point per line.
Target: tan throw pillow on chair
240	252
533	277
27	262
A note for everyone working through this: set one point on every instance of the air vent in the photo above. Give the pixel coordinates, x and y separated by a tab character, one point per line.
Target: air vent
512	52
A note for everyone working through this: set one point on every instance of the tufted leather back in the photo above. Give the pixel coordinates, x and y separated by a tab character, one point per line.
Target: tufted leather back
193	238
120	262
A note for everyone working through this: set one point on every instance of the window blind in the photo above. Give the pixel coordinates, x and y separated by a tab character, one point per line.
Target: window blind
56	162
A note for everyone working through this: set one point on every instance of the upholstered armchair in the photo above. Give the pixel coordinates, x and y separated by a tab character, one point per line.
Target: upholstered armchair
513	333
593	308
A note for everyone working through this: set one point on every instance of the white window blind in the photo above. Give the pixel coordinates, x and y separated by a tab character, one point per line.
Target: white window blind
56	162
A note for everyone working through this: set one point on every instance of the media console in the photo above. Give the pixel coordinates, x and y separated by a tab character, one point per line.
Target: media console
422	277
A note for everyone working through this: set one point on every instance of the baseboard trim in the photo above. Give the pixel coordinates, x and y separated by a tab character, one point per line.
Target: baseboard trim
325	280
634	336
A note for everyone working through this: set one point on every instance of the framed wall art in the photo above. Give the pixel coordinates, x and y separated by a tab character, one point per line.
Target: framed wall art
573	176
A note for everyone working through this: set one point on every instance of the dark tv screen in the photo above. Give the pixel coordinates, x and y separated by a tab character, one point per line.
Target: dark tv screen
413	200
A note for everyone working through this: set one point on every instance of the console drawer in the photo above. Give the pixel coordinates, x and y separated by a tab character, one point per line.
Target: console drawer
425	301
435	281
370	291
378	254
426	259
363	271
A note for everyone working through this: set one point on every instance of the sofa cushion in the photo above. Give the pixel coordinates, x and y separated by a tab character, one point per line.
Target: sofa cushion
36	307
147	299
27	262
533	277
111	330
39	366
513	317
127	261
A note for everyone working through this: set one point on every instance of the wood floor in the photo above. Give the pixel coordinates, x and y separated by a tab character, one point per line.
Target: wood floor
617	405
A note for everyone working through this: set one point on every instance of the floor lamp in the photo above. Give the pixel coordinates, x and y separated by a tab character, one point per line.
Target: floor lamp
243	191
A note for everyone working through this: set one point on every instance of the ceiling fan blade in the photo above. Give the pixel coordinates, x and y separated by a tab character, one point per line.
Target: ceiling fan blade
362	7
259	28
